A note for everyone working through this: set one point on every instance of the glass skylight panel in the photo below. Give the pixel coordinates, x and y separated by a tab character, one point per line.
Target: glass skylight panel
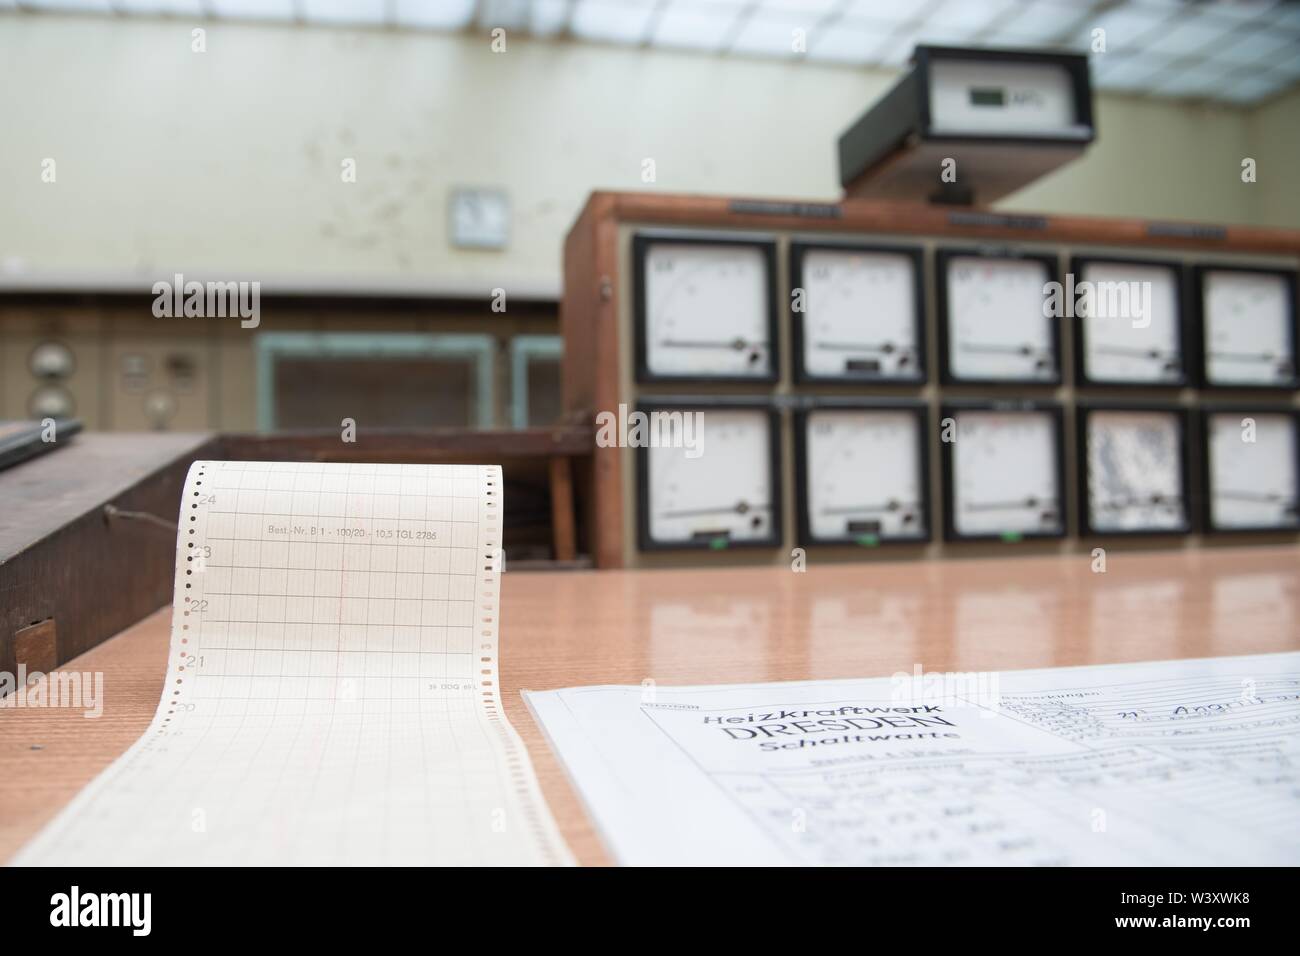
804	8
1189	34
1118	71
626	21
548	17
191	8
849	41
1126	27
1286	17
971	15
1043	21
506	14
75	6
774	34
344	11
698	26
885	11
1256	47
253	9
946	34
440	15
1238	51
1241	11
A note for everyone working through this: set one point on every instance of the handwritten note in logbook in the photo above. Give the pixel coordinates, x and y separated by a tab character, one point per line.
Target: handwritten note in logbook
1172	763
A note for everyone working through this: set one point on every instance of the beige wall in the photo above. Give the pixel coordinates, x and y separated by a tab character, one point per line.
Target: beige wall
1274	132
229	161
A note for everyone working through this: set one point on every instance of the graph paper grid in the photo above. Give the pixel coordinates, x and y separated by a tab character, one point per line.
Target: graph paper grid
331	693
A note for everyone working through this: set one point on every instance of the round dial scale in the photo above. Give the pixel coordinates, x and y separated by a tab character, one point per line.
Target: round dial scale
1135	473
860	314
1252	484
1248	325
707	310
996	326
864	476
723	494
1132	331
1005	473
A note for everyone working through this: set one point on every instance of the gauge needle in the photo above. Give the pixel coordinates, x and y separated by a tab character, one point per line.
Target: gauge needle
1245	356
1139	353
1130	502
740	508
1004	349
1252	496
887	506
1007	505
887	348
738	344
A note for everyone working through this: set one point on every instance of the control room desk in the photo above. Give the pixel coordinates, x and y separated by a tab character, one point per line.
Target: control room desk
752	624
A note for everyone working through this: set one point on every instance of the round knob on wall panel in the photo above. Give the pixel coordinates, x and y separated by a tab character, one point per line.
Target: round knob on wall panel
51	360
51	401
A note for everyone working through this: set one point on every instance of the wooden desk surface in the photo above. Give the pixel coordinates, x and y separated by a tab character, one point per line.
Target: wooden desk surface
754	624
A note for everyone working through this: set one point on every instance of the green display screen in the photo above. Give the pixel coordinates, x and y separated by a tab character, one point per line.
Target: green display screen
987	96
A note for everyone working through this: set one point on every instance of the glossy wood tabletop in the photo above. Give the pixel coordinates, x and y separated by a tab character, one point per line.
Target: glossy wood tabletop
754	624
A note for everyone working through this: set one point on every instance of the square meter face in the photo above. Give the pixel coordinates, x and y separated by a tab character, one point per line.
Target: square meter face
862	475
1252	470
996	325
1248	325
1134	470
1003	472
857	313
704	308
1130	322
719	488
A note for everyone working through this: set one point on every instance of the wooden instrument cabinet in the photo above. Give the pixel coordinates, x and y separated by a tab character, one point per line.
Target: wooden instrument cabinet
1164	392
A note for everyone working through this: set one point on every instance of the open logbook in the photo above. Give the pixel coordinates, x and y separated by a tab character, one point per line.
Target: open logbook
331	693
1181	762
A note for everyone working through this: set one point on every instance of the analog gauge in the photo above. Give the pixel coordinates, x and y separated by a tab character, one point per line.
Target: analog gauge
1129	322
51	401
705	309
862	475
51	360
1133	470
859	315
708	477
1252	477
994	318
1248	325
480	218
1003	472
